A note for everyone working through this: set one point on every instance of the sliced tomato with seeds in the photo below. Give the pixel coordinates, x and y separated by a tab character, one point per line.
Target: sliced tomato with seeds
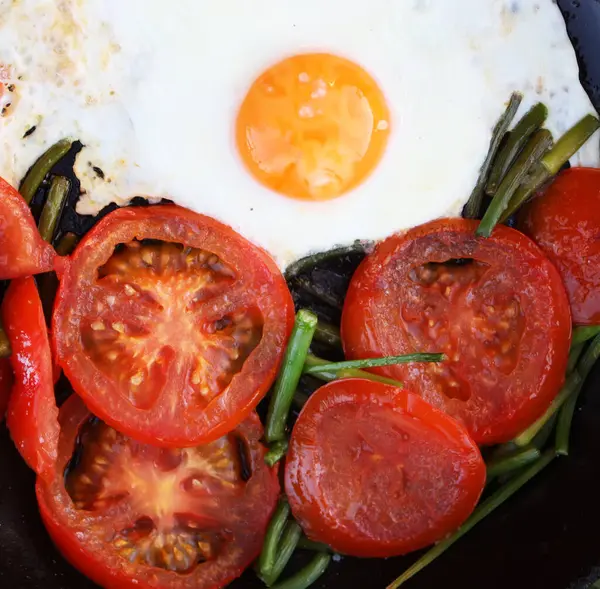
496	307
23	252
128	514
170	325
564	221
375	471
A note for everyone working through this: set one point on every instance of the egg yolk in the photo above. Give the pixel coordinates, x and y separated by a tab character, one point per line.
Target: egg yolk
313	126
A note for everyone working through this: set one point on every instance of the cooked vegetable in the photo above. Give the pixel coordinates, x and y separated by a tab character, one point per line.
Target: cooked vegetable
328	334
34	178
268	555
67	244
566	147
473	207
500	315
289	375
363	440
328	376
276	452
514	143
57	197
336	367
287	546
531	155
5	350
483	510
308	575
307	263
510	464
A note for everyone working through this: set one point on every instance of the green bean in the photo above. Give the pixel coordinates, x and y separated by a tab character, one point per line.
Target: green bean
310	261
328	376
66	244
531	155
481	511
34	178
276	452
5	350
328	334
515	142
473	206
57	197
581	335
571	388
574	355
308	575
564	149
289	541
306	544
289	375
268	555
336	367
510	464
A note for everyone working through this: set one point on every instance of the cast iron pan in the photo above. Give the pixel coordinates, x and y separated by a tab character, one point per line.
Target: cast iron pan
545	537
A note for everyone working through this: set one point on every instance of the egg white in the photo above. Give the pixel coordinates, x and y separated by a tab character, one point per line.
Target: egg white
152	89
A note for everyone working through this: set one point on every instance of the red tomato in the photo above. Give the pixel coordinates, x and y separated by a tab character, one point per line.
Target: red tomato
6	382
129	515
375	471
173	344
565	222
24	252
502	319
32	413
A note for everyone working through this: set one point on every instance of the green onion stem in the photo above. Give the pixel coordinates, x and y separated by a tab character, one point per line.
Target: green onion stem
328	334
583	334
289	541
481	511
328	376
289	375
574	355
564	149
57	197
531	155
34	178
515	142
266	560
66	244
308	575
358	247
510	464
5	350
565	420
473	206
276	452
571	387
336	367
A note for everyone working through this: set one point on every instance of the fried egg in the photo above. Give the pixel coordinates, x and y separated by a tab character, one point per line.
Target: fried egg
303	125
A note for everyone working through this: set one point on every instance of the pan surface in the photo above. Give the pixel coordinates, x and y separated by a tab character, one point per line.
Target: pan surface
545	537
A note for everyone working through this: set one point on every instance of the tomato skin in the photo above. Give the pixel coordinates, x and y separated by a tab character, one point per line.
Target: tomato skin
564	221
84	537
32	413
375	471
503	321
163	423
6	382
24	252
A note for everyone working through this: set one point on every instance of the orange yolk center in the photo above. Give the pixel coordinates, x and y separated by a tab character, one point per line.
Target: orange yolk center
313	126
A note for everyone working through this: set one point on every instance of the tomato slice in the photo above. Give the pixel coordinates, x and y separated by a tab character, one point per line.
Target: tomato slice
32	416
565	222
496	307
24	252
375	471
6	382
131	515
173	343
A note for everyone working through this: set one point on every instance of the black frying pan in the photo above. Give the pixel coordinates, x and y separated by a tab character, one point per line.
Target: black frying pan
546	537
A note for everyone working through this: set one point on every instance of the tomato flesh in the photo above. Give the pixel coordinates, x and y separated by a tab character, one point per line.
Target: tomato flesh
375	471
23	251
173	343
565	222
496	307
32	416
132	515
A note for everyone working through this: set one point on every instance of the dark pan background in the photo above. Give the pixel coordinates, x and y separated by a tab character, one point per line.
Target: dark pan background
546	537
